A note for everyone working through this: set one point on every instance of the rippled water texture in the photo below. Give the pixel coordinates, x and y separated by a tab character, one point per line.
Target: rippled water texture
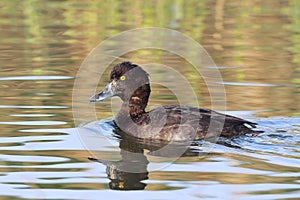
256	48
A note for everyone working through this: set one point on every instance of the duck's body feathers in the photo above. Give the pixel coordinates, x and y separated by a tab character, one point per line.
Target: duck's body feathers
183	123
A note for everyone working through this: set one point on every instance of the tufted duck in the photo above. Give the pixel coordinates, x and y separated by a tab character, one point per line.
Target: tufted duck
171	123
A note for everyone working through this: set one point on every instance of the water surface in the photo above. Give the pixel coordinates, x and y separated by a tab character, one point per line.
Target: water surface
255	46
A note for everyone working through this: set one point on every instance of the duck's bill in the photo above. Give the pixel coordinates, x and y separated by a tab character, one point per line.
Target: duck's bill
104	94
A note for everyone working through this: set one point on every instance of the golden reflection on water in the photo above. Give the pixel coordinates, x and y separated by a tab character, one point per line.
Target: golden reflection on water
255	40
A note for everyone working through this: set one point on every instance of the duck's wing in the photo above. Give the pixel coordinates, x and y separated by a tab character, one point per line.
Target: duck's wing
202	117
231	125
229	119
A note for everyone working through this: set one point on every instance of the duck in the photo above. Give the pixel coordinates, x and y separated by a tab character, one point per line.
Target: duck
131	83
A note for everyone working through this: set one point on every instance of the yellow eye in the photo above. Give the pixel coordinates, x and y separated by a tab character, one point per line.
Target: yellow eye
122	78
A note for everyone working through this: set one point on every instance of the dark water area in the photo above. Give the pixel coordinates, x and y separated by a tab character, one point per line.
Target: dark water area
256	48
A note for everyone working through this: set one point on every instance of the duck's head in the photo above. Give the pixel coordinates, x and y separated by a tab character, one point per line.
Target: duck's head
127	81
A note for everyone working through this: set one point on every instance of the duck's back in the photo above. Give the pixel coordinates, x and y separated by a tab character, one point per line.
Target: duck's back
184	123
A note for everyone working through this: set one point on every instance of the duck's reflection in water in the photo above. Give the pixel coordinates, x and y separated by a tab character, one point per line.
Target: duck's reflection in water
129	172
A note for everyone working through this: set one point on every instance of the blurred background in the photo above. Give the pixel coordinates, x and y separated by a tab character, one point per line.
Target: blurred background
255	44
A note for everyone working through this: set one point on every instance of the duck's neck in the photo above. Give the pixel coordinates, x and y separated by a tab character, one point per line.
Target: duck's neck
136	104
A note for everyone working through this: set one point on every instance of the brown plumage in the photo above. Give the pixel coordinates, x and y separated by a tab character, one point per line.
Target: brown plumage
131	83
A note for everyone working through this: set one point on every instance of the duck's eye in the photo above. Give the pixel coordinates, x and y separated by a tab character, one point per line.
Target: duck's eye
122	78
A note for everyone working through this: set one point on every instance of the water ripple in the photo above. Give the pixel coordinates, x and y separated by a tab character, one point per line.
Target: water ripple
33	107
33	78
24	158
35	123
32	115
248	84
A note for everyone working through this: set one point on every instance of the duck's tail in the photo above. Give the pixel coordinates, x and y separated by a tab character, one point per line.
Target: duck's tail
241	129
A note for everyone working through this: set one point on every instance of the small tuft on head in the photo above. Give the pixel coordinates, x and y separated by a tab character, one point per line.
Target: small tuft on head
121	68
